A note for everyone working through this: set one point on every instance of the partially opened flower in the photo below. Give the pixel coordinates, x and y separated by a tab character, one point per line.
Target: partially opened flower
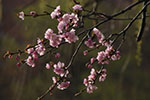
63	85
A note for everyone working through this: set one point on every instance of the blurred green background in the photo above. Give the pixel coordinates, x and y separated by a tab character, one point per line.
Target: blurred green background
127	79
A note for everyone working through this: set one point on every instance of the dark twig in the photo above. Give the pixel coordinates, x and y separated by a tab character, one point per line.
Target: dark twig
139	36
123	32
76	2
76	51
47	91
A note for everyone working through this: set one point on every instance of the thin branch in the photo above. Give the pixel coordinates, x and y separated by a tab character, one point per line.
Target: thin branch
139	36
76	51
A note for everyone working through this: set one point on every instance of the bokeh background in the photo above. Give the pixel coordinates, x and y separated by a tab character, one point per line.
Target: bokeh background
127	79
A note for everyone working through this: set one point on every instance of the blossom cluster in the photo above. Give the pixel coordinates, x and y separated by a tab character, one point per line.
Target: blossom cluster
60	70
103	57
89	83
67	23
35	52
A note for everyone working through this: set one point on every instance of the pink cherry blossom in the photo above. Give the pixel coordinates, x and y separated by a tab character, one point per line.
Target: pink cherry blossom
59	68
21	15
70	36
77	7
48	33
30	61
92	75
63	85
56	13
91	88
116	56
40	49
85	82
66	18
101	56
61	26
55	40
103	75
75	19
30	50
108	50
35	55
89	43
99	35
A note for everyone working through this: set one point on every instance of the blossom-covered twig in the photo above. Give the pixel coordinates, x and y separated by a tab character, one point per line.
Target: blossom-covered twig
93	38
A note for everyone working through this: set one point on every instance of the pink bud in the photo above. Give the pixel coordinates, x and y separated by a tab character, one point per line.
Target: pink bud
18	64
48	66
85	52
92	60
57	55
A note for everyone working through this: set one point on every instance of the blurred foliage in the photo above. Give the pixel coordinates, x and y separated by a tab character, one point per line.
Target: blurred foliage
125	81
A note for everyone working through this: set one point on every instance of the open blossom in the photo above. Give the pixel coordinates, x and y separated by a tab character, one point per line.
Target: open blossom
116	56
92	75
48	33
99	35
54	40
108	50
30	61
75	19
40	49
85	82
90	88
21	15
77	7
103	75
89	43
63	85
101	56
35	55
70	36
90	81
59	68
56	13
66	18
61	26
30	50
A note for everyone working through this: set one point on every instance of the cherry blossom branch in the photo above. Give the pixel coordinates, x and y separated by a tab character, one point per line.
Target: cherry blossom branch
47	92
68	23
